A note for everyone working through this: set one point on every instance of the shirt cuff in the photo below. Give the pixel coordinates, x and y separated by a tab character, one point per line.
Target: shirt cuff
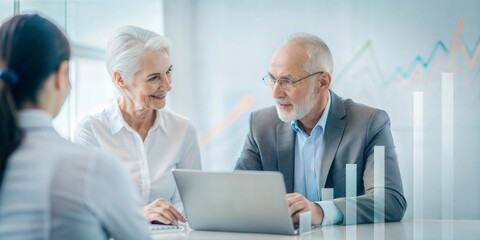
331	213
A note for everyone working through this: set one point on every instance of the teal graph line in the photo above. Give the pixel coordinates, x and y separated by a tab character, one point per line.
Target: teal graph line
419	59
470	52
405	75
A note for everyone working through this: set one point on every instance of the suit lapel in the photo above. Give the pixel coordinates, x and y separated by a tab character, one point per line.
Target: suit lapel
333	136
286	154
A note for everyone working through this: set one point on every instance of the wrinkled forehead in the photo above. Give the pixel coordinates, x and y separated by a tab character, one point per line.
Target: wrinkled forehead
290	58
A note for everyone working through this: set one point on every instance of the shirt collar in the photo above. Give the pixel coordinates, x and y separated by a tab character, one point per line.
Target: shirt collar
117	122
321	122
34	118
160	121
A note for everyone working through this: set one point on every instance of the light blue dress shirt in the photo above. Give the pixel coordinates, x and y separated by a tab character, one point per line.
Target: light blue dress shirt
308	162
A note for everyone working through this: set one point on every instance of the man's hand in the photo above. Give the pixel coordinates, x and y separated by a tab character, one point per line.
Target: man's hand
163	212
297	204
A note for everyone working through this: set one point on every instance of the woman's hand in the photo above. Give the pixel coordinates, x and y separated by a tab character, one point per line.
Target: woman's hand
163	212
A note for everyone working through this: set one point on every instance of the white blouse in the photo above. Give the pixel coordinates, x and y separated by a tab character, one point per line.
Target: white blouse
170	143
55	189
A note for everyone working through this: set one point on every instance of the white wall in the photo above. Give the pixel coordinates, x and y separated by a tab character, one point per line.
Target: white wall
89	25
223	48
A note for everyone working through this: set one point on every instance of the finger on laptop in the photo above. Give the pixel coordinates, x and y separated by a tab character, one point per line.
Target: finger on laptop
158	218
170	213
293	197
178	215
296	213
296	198
163	212
167	215
163	217
296	205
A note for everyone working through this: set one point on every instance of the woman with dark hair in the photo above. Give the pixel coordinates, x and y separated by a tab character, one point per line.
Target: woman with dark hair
51	188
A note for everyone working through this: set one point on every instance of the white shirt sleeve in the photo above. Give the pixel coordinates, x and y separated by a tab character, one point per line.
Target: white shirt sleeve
177	202
190	160
332	214
84	134
111	195
191	155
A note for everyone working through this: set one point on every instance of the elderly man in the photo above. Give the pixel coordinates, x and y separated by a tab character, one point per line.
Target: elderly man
311	134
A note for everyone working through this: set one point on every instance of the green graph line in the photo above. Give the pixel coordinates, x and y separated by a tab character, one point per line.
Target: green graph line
368	48
338	78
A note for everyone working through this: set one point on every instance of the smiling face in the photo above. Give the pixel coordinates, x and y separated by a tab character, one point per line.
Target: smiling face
149	86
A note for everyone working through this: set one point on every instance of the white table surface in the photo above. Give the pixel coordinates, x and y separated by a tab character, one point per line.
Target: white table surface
432	229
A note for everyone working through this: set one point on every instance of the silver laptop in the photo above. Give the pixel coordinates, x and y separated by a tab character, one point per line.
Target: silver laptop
242	201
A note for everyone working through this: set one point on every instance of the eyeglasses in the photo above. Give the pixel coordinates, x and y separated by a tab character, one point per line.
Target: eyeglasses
285	83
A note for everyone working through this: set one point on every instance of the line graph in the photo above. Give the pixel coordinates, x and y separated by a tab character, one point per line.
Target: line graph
441	58
244	105
434	62
419	60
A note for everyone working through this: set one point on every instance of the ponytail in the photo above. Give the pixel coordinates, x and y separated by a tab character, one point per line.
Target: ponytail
31	48
10	133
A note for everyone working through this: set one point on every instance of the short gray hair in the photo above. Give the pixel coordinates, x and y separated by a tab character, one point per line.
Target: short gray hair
319	56
126	47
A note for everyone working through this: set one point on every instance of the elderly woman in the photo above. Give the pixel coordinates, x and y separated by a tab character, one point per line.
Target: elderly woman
51	188
149	139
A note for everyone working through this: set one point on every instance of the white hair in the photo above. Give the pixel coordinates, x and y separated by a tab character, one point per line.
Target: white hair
319	56
126	47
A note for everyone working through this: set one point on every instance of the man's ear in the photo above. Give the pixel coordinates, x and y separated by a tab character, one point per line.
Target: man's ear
325	80
118	80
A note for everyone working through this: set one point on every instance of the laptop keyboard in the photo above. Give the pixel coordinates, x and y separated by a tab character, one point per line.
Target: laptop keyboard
160	228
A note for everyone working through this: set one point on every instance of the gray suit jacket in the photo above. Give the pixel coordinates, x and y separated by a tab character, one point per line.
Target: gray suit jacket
351	132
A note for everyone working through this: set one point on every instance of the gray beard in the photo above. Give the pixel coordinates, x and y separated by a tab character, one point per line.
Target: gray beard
299	110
